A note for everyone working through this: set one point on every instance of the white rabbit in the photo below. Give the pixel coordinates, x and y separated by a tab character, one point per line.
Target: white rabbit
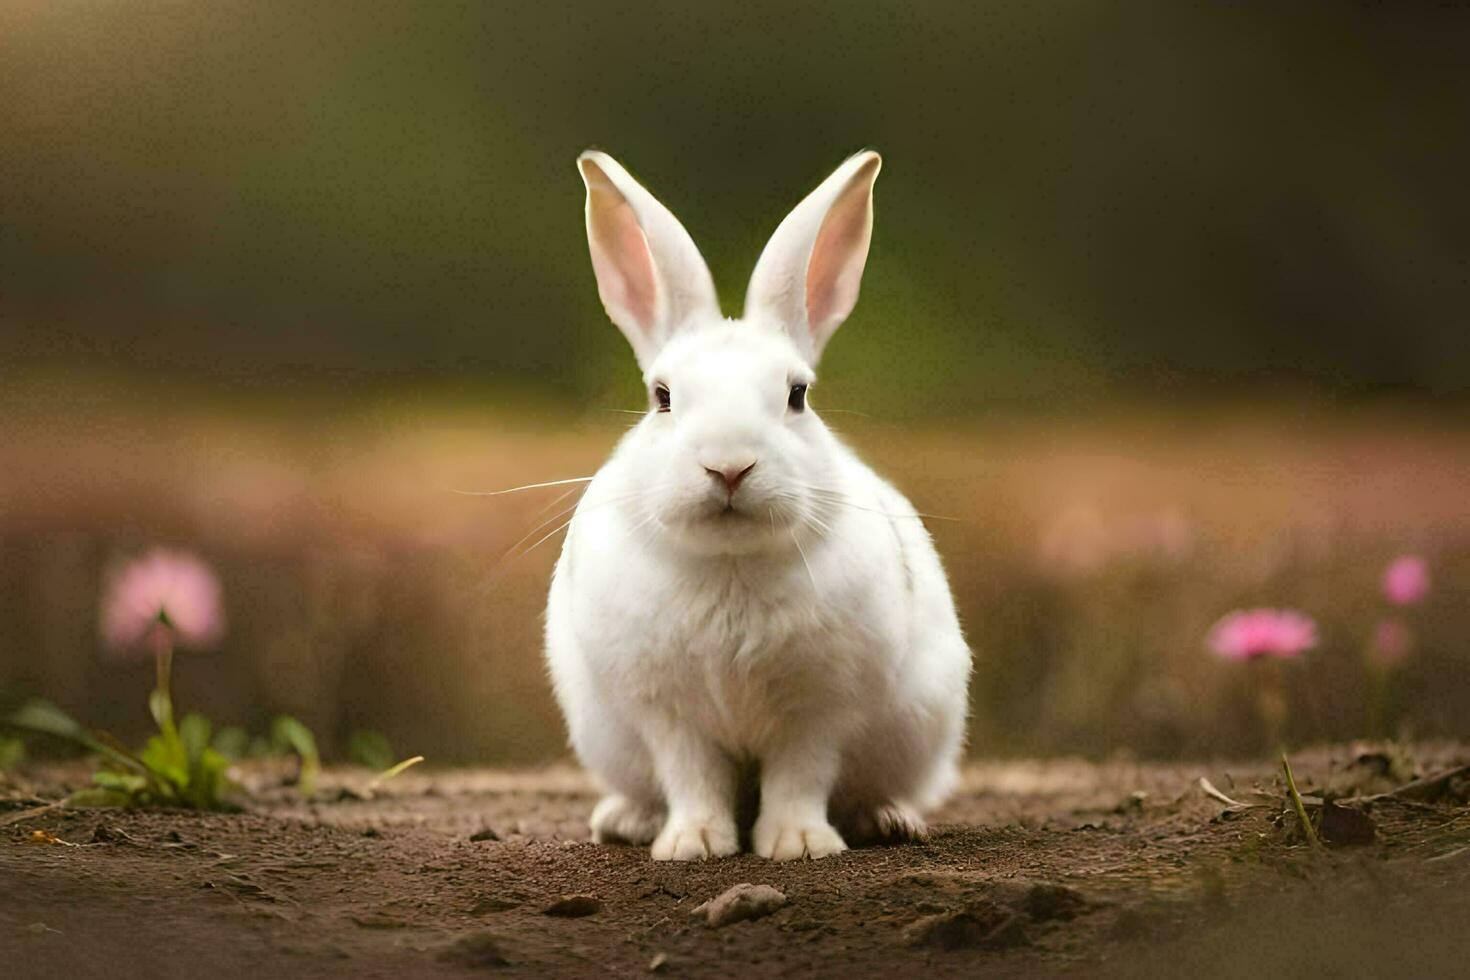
736	586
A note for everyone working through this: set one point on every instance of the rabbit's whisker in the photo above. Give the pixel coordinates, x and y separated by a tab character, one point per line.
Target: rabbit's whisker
647	520
559	498
510	556
615	498
575	510
545	521
817	524
842	499
548	535
529	486
800	551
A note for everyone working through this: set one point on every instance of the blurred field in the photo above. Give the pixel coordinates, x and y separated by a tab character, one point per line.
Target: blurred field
1089	560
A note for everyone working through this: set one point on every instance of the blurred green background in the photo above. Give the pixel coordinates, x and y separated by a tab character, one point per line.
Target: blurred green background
1167	303
1080	200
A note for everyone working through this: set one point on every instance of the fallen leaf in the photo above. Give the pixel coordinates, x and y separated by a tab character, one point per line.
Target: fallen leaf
738	903
1453	784
1211	791
1345	825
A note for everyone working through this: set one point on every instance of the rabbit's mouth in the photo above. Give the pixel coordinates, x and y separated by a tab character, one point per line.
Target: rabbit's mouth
727	519
730	514
731	527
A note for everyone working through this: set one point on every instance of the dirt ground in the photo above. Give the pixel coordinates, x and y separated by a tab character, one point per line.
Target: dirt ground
1036	868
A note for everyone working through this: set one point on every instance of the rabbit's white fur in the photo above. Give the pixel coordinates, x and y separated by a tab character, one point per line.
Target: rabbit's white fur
798	618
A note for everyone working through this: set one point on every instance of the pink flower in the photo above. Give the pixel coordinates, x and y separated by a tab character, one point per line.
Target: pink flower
1252	633
1392	641
170	587
1406	581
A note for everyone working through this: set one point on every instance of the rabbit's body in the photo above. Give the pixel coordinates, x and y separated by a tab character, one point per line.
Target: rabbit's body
790	613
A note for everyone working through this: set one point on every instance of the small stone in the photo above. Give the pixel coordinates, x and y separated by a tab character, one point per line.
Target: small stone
659	961
475	949
574	906
741	902
488	834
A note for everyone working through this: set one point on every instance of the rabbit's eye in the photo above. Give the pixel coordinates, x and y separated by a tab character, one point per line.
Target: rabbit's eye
661	397
796	401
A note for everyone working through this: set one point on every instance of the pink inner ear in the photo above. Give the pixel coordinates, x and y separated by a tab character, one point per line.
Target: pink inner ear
623	264
834	273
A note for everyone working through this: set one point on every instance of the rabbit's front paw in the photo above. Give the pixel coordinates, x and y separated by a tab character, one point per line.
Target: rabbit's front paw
782	840
694	840
617	819
890	823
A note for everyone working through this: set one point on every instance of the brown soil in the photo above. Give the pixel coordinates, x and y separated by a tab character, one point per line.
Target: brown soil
1035	869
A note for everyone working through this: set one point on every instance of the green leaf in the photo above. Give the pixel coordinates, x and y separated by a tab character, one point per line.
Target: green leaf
288	733
12	753
176	767
164	756
122	782
44	718
392	771
232	742
370	749
209	781
194	732
162	709
100	797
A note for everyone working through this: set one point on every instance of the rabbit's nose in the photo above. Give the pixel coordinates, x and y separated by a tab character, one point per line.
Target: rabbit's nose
731	475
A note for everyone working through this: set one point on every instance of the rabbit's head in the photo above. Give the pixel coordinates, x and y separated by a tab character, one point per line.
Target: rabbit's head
730	458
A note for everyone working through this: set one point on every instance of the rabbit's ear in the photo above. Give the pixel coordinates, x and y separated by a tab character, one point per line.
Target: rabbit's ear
807	278
650	275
